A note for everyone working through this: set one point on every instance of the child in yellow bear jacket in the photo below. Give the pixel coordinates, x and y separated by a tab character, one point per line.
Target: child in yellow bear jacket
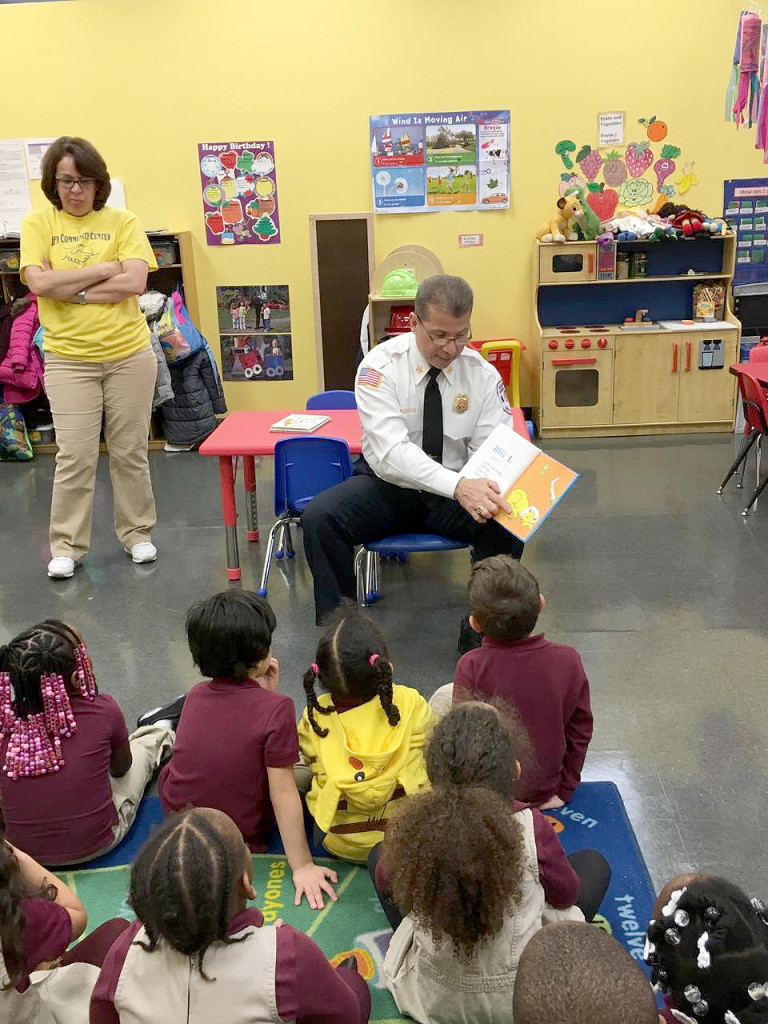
369	749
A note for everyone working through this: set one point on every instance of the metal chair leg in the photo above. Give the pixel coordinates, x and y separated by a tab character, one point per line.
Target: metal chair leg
758	460
360	576
262	591
289	549
280	541
741	460
370	557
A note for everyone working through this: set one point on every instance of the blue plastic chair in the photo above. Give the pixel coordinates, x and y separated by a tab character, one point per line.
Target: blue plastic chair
304	466
368	558
332	400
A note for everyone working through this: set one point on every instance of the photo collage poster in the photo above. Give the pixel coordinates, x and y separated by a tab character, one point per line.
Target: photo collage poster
424	163
255	332
239	190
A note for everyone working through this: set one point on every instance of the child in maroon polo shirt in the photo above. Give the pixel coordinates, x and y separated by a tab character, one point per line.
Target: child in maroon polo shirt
236	741
545	681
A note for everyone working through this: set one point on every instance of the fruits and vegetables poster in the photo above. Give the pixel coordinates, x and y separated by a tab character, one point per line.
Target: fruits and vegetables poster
239	187
646	173
255	332
424	163
745	207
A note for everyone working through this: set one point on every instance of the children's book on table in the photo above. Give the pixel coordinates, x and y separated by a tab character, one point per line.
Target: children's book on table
531	482
299	424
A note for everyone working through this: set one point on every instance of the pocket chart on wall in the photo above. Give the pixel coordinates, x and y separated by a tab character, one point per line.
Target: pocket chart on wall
424	163
239	188
745	207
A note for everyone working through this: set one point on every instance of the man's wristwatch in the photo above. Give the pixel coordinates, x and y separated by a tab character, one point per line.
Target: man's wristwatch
81	297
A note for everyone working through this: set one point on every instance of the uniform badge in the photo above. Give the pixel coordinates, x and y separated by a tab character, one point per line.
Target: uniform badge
461	402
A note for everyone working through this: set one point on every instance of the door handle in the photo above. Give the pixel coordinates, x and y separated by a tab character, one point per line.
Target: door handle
687	357
591	262
575	362
674	357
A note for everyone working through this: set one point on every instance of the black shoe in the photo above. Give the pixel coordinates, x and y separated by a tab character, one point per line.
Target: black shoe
468	638
169	713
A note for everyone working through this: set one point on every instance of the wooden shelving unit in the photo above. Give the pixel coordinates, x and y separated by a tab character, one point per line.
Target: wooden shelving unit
596	376
416	258
165	279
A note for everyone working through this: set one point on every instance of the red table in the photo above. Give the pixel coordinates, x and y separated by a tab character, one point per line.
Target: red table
247	434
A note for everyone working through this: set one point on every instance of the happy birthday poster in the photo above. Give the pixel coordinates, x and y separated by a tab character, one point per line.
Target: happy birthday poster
239	188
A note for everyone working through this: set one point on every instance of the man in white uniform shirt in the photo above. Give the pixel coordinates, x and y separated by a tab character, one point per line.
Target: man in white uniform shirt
426	403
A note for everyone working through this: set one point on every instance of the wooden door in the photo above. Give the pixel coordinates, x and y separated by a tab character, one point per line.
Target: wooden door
342	259
645	378
707	394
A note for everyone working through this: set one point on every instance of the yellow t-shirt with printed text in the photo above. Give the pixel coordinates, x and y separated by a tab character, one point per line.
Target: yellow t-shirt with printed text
93	332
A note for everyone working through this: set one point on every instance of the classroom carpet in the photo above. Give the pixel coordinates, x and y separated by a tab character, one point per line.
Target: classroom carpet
594	818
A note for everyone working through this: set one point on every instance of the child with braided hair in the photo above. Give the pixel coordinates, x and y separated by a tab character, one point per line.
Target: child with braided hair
197	952
71	777
39	917
363	739
708	949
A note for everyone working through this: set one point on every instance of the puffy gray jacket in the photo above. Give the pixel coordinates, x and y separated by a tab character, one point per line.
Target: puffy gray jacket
163	388
190	416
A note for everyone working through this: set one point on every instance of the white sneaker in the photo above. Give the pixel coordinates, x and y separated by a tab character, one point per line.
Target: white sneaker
62	568
144	552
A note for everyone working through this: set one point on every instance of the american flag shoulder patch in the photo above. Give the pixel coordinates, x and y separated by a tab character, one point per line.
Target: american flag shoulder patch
370	377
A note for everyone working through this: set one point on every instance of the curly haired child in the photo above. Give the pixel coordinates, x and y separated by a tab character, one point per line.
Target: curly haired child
475	875
544	681
198	953
708	949
70	775
363	739
236	740
39	917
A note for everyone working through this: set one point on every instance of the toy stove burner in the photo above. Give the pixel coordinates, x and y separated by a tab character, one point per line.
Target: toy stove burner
568	330
595	327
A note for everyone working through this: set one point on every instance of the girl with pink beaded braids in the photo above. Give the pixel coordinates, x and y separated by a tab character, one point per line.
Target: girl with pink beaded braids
71	777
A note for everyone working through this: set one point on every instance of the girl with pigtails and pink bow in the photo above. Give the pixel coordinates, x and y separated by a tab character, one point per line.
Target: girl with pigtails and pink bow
363	739
71	777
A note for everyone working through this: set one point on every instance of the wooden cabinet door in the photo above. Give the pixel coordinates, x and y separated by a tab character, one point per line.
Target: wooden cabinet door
645	378
706	395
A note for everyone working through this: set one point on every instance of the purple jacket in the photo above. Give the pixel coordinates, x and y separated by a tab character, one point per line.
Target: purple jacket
21	371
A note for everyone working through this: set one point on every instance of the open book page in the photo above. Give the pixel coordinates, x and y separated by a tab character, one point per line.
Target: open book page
502	457
532	497
299	424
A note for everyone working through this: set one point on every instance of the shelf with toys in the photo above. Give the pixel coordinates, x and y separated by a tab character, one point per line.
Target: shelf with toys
175	267
650	353
393	287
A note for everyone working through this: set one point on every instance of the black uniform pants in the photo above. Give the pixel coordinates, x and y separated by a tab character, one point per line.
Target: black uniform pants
365	508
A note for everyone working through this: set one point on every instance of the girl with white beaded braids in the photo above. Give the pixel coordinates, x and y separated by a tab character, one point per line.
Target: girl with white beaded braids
708	951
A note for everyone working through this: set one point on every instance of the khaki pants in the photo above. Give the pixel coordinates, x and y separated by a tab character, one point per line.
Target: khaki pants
441	700
79	392
150	746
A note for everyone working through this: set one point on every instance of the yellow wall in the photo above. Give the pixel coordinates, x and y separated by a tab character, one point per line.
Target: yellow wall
146	80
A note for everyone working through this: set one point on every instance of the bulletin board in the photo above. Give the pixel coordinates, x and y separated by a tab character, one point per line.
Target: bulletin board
424	163
745	207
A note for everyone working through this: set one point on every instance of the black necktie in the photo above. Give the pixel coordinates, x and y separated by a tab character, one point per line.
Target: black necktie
432	426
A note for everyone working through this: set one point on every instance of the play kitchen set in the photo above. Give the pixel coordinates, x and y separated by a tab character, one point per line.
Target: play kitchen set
636	336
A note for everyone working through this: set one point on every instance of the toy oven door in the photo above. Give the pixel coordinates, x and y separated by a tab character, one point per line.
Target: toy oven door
577	390
567	263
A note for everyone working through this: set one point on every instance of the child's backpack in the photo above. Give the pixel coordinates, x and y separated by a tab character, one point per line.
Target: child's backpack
177	334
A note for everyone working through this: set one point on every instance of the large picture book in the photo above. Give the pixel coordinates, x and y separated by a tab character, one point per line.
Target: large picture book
531	482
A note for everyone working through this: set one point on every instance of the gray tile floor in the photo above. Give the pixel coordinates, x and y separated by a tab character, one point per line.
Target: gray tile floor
660	584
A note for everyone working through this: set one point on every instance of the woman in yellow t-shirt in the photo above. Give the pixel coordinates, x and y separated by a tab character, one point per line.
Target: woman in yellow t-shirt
87	263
